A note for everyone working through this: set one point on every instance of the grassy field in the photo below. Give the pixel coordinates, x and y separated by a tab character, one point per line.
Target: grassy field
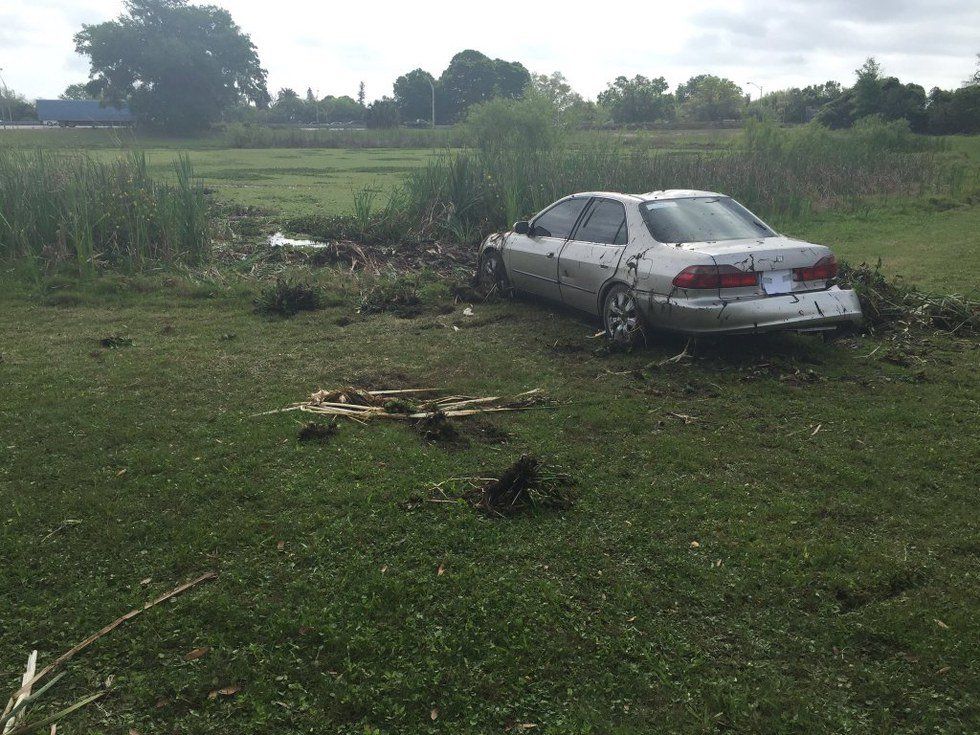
778	535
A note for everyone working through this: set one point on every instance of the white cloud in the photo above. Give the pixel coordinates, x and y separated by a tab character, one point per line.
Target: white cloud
333	46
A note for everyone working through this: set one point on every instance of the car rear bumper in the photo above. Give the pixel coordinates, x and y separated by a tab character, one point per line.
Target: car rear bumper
712	315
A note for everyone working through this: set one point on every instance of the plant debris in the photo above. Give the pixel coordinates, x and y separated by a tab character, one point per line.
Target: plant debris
316	431
404	404
890	303
115	341
526	484
17	705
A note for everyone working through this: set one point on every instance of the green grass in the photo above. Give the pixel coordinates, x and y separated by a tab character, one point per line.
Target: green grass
937	250
830	487
824	559
294	181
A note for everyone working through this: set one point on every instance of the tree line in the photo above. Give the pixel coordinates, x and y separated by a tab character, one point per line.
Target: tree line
183	68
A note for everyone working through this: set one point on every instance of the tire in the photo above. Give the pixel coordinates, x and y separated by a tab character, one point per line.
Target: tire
621	317
492	271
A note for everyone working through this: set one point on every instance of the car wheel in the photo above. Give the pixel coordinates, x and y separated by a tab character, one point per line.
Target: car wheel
492	271
621	316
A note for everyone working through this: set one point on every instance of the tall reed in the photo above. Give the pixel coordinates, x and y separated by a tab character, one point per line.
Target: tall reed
466	194
58	207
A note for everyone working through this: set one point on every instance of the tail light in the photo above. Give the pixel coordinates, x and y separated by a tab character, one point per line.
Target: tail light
715	276
823	270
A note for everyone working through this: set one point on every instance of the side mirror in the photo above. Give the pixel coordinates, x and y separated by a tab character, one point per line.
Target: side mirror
522	228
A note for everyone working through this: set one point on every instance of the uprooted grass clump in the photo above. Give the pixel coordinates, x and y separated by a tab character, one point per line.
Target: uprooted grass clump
525	485
115	341
316	431
438	428
288	296
887	303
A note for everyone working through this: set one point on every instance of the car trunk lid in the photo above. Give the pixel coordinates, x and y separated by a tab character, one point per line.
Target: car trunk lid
774	258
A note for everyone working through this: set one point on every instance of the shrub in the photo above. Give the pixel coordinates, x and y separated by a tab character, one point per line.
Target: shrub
527	124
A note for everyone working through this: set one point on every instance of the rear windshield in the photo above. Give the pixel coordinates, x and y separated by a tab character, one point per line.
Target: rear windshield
701	219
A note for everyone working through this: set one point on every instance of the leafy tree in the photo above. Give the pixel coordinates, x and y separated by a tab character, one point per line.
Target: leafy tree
413	95
472	77
360	94
14	106
874	94
343	109
382	113
897	101
795	105
956	111
710	98
288	107
638	100
556	89
178	66
77	91
512	78
867	89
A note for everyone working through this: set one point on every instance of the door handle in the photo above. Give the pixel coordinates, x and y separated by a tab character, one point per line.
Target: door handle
551	255
604	266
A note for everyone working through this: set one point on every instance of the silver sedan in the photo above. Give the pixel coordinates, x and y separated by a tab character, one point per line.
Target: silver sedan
693	262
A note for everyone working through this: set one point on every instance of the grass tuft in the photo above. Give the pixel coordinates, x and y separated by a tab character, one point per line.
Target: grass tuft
288	296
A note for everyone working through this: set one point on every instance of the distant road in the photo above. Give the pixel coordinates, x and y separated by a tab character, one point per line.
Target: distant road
38	126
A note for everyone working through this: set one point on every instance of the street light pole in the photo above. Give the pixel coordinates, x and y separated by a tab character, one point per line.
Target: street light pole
753	84
433	103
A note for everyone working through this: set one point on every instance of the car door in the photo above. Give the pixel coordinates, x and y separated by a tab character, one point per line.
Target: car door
532	260
592	253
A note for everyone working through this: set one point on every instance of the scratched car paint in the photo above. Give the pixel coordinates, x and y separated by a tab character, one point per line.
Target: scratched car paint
693	262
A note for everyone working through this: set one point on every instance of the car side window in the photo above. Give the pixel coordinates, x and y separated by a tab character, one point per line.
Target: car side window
560	219
605	222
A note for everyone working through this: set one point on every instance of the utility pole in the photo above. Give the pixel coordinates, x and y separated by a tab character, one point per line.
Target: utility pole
433	86
753	84
316	102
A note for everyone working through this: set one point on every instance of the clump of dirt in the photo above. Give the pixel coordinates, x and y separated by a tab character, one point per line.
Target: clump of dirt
115	341
317	431
524	485
438	428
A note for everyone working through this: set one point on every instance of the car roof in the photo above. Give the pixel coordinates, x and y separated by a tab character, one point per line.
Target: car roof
618	196
649	196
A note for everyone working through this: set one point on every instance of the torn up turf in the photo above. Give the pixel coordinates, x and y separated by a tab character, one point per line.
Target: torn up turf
525	485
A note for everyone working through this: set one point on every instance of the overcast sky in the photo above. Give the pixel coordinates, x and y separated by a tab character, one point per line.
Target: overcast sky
331	46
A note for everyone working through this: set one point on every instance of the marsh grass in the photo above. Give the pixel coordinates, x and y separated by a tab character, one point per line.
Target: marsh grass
70	208
461	196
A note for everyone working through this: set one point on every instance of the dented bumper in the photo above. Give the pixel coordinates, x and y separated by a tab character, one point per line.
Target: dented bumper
714	315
